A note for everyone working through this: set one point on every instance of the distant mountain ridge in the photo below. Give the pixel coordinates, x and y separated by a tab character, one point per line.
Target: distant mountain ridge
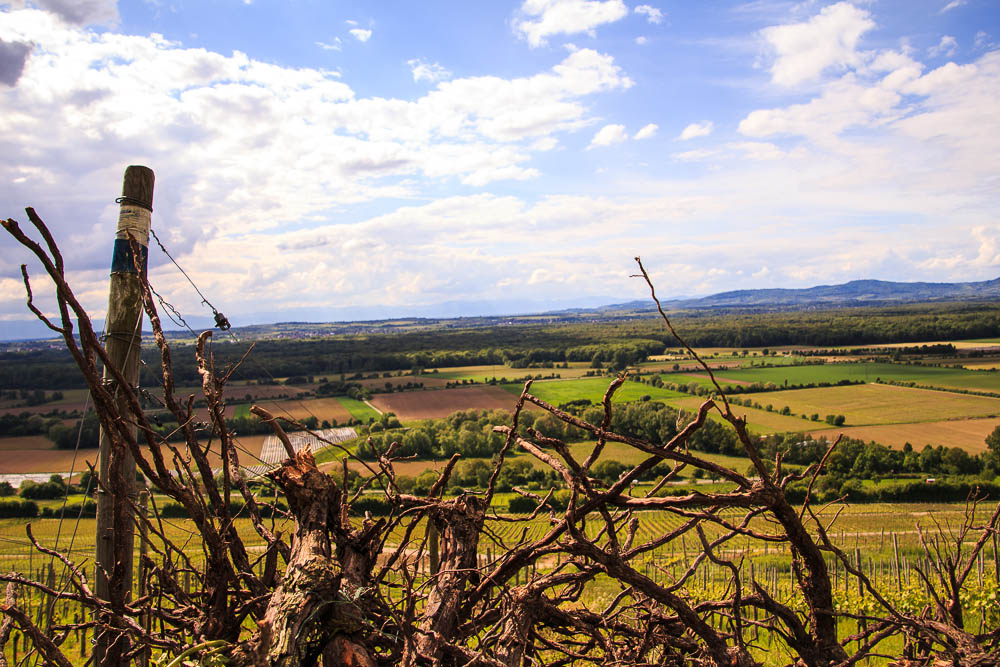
311	321
853	293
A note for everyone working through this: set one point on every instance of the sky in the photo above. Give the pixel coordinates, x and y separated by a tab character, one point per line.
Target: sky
322	161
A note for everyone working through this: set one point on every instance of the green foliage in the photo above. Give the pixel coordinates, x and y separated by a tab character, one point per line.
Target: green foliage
993	450
25	423
44	491
375	505
65	437
21	509
521	505
236	508
609	471
468	432
87	510
657	423
616	343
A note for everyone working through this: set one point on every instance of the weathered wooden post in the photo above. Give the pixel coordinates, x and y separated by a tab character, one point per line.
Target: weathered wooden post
433	547
146	620
123	331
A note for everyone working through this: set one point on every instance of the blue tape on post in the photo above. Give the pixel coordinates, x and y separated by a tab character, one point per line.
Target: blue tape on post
122	261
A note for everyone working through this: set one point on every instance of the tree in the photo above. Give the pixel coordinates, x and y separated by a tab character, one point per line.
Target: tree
993	451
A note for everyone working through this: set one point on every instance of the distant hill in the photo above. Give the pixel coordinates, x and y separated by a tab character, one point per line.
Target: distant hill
854	293
857	293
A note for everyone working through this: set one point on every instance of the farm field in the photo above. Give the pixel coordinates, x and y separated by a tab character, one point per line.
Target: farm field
686	365
723	377
30	442
429	381
759	422
969	344
969	434
25	461
991	365
867	526
485	373
562	391
952	378
357	409
882	404
73	399
321	408
442	402
613	451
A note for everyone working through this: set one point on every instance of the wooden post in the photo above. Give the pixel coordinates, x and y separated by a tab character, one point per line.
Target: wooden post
862	624
996	559
432	546
123	331
145	619
895	558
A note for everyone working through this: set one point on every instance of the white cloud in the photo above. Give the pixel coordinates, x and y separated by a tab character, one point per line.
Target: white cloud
695	155
609	135
693	130
424	71
272	178
640	40
954	4
334	45
947	47
252	146
829	39
844	104
757	150
647	131
82	12
545	144
361	34
544	18
653	15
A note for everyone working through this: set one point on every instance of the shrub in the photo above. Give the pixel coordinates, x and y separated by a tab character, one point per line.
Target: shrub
46	491
87	510
373	504
522	505
18	509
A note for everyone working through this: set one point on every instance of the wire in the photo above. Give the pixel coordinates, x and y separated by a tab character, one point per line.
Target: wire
223	324
220	320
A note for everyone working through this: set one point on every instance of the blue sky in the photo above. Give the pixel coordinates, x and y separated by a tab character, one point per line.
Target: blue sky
321	160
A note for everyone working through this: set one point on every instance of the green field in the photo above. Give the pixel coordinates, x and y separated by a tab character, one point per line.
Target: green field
358	409
759	422
563	391
951	378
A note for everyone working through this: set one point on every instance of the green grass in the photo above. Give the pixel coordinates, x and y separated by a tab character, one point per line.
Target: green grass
358	409
951	378
759	422
563	391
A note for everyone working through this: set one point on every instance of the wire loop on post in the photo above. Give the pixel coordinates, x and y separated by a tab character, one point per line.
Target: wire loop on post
132	201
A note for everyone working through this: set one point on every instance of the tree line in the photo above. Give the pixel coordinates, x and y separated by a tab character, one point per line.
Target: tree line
524	345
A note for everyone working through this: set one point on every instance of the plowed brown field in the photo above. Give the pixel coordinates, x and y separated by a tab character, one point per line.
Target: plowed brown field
433	404
969	434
